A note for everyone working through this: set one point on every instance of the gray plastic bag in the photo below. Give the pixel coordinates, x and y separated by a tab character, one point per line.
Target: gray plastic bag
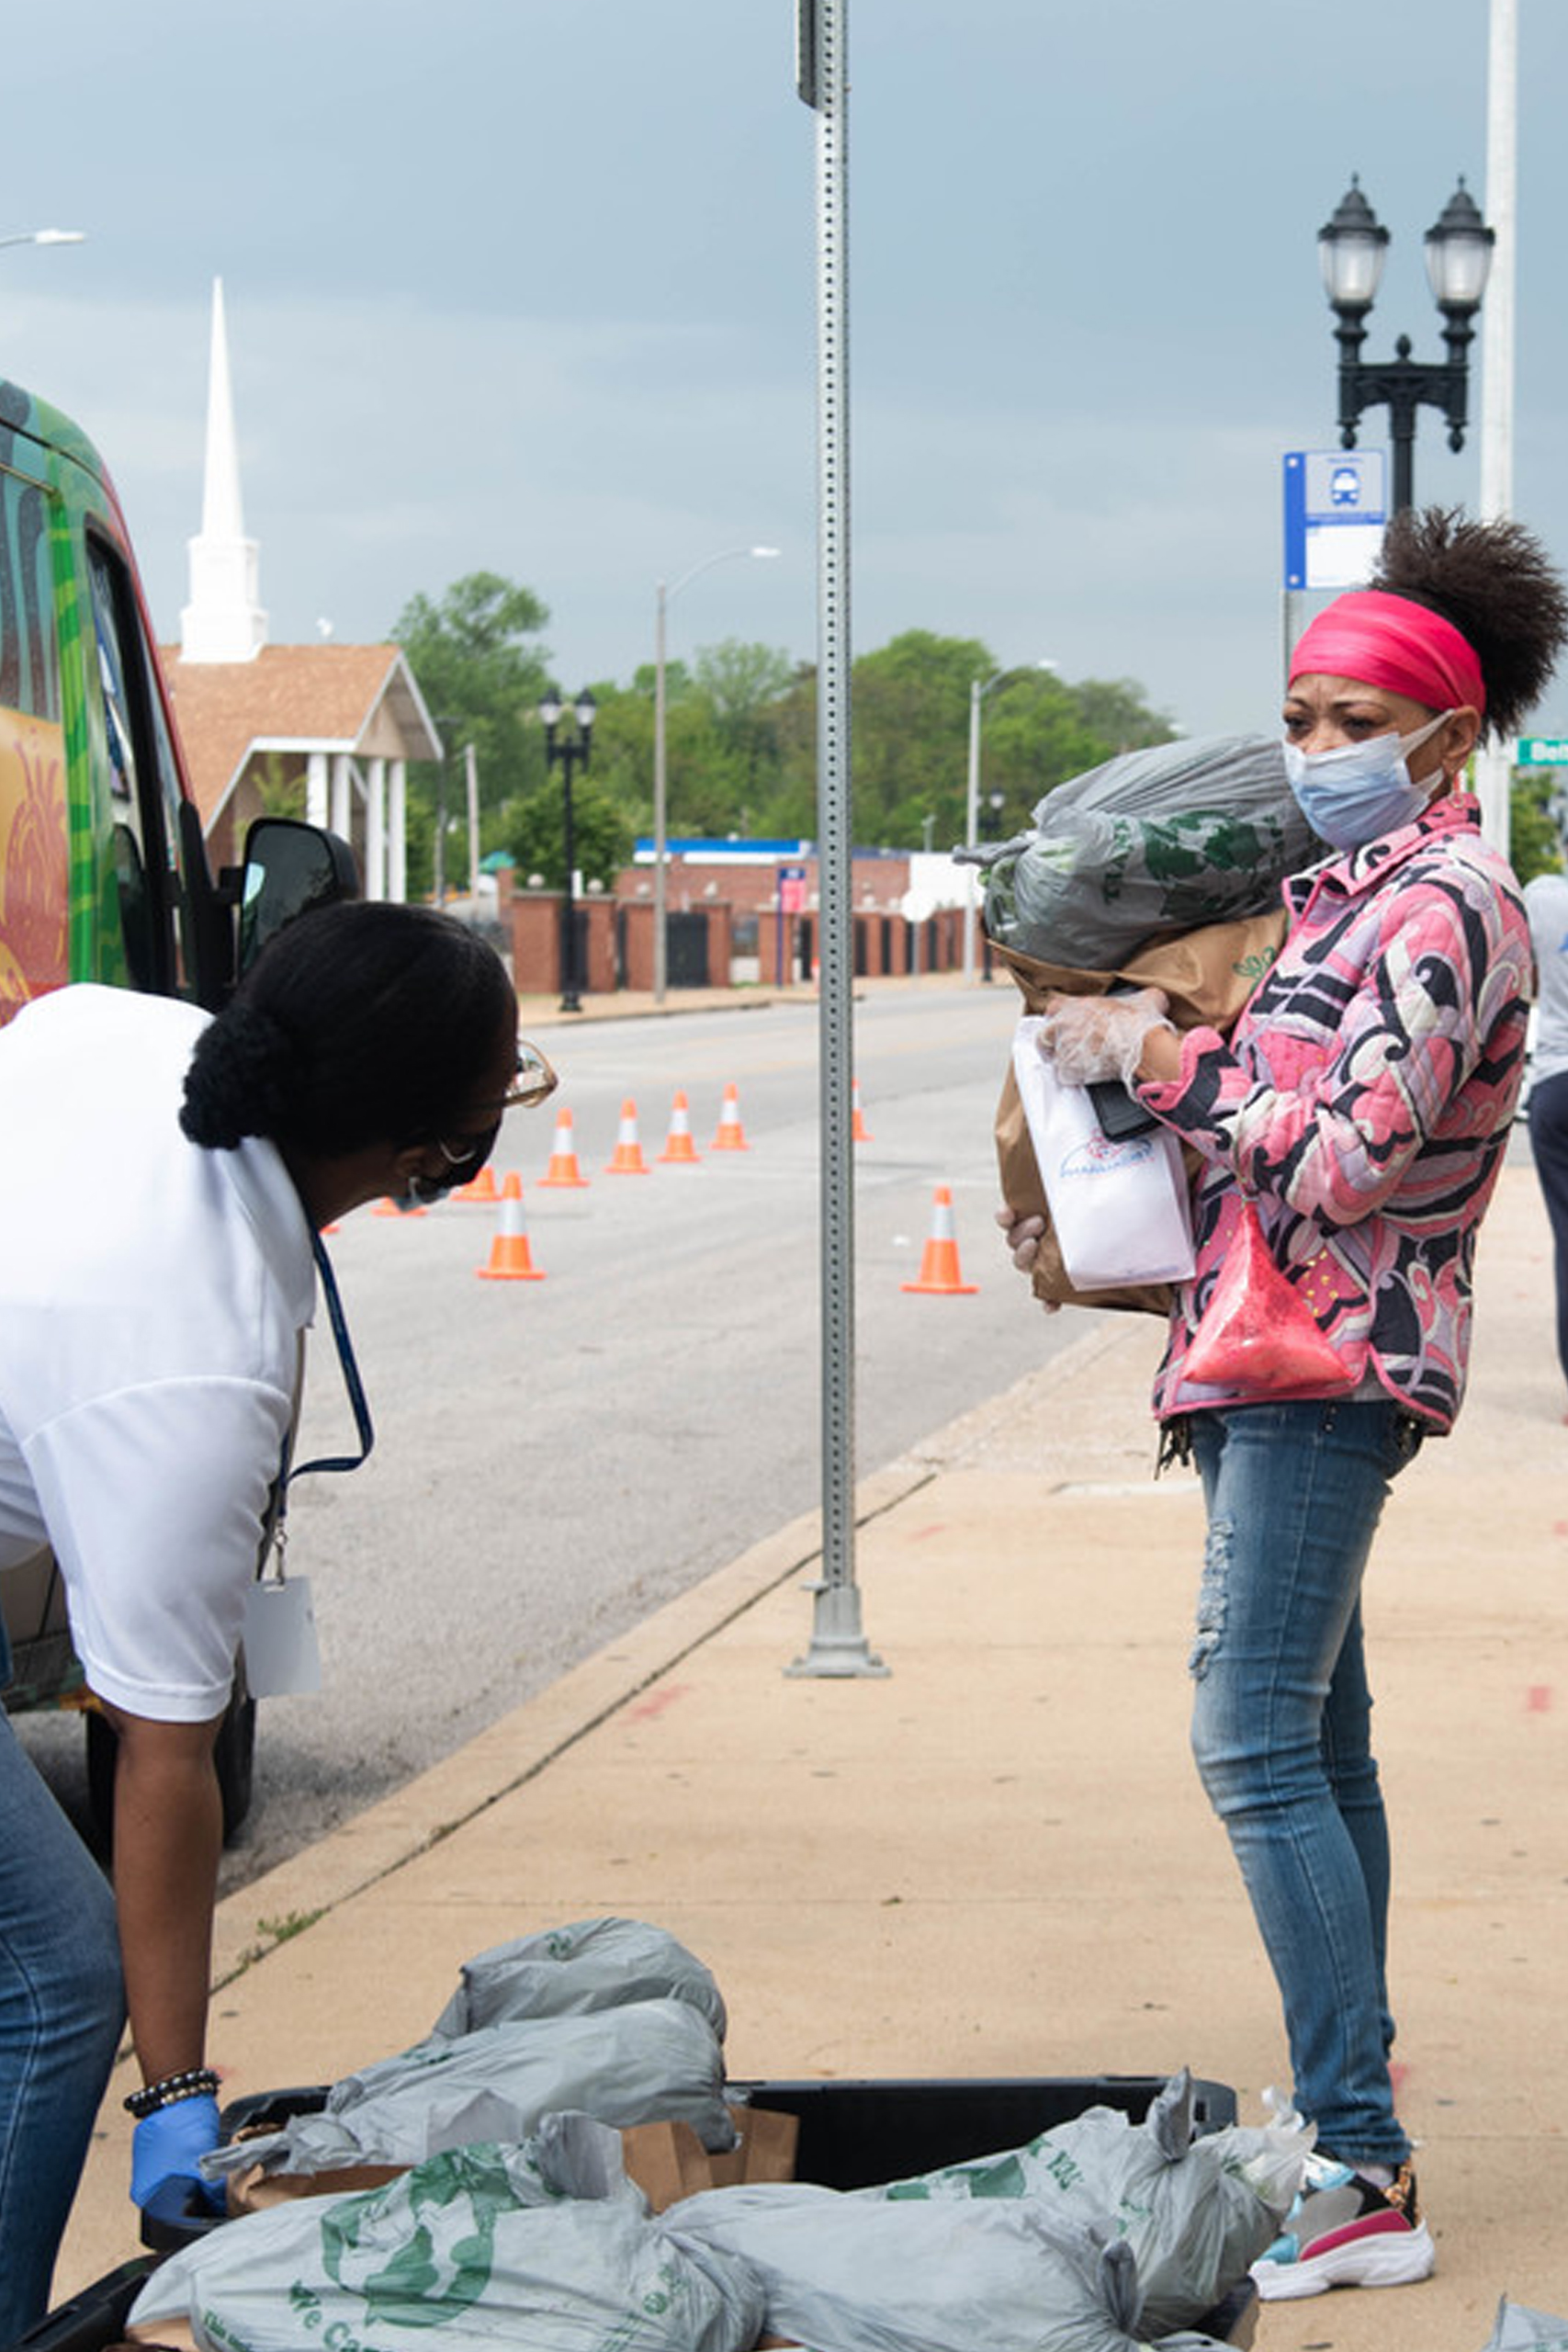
650	2062
1153	843
852	2274
460	2252
592	1965
1517	2329
1195	2213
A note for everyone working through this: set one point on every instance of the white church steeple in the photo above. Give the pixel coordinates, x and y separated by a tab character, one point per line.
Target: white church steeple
223	621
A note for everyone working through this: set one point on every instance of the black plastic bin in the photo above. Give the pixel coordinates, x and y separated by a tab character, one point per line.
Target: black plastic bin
852	2134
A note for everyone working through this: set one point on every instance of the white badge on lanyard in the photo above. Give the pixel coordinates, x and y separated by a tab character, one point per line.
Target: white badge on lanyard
282	1654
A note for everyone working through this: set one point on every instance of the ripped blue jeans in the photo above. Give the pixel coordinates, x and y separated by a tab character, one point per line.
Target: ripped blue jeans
1282	1731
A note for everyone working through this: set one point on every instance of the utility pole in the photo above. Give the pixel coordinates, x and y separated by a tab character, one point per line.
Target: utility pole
1494	761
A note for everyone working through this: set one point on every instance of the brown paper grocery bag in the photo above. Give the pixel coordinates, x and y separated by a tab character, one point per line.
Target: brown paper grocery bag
255	2192
1208	975
668	2161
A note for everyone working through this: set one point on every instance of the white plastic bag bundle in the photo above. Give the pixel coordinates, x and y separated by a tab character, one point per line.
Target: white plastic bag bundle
1118	1210
1155	841
848	2274
1195	2213
592	1965
457	2253
651	2061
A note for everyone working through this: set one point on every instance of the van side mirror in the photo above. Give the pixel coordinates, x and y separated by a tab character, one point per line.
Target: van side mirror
288	868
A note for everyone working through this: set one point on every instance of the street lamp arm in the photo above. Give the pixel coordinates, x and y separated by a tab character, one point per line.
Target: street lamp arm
668	594
45	237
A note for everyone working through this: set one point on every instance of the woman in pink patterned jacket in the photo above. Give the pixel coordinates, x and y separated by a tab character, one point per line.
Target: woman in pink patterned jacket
1362	1105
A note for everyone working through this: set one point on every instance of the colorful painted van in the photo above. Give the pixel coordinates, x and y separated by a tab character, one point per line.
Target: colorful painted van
103	870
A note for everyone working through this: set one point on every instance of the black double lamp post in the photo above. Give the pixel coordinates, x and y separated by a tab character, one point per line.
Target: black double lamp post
570	752
1352	247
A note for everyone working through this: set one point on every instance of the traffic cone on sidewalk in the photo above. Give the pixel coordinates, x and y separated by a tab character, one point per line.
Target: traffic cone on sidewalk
730	1136
859	1131
679	1146
481	1188
510	1260
939	1266
563	1168
627	1159
388	1207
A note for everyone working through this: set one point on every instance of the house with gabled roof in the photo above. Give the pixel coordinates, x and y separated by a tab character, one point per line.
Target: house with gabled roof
254	717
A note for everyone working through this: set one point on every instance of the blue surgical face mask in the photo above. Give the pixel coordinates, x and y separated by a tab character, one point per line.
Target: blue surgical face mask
1360	791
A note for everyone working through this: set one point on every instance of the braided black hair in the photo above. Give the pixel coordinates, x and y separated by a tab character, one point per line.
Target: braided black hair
1495	583
361	1024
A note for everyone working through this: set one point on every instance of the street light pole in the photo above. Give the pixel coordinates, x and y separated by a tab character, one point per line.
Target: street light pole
1352	247
978	690
664	597
569	751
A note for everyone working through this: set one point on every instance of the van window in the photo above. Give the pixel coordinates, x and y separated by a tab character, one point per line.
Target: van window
35	852
144	782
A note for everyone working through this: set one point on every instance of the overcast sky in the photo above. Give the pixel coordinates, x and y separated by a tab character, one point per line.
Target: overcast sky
532	290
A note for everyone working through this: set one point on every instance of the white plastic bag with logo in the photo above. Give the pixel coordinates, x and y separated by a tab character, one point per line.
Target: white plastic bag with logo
1119	1209
481	2249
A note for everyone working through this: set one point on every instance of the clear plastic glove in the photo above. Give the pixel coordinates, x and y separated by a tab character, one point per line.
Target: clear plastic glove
168	2145
1093	1037
1023	1236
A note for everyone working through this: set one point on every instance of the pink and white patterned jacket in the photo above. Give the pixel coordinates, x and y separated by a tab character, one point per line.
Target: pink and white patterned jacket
1364	1100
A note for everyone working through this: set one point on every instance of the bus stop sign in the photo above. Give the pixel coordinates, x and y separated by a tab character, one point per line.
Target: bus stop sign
1336	506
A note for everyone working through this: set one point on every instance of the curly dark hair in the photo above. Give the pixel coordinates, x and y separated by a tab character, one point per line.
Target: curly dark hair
1495	583
358	1024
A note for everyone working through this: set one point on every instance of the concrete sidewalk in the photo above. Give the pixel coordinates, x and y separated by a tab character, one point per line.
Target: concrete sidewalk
996	1861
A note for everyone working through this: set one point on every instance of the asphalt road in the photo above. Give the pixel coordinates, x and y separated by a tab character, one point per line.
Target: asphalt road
554	1459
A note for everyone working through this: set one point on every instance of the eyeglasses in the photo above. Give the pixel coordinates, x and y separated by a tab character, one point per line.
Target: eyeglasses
533	1082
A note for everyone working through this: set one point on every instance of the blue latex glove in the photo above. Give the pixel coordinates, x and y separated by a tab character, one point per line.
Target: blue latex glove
167	2144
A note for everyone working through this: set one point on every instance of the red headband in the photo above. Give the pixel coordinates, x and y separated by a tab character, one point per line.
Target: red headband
1388	641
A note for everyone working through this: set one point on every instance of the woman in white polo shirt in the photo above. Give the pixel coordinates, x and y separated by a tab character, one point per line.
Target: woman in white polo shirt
163	1180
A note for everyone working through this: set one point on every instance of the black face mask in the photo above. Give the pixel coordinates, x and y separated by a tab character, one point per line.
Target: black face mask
424	1191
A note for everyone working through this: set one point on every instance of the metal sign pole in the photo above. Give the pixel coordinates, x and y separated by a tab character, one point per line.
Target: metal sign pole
837	1644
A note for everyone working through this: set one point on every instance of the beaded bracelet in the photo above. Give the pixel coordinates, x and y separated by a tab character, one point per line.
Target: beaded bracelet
197	2082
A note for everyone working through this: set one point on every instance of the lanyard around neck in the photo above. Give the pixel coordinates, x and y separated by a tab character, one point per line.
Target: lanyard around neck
351	1379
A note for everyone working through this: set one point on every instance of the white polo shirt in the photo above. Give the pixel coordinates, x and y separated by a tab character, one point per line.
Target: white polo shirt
1546	904
152	1299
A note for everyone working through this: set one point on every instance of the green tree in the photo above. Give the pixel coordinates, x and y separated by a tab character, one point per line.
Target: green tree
910	747
281	785
481	677
1535	845
603	833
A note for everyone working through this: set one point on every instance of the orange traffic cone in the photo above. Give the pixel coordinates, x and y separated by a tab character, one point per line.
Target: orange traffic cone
479	1187
510	1258
563	1168
679	1146
939	1267
627	1159
859	1131
730	1136
388	1207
